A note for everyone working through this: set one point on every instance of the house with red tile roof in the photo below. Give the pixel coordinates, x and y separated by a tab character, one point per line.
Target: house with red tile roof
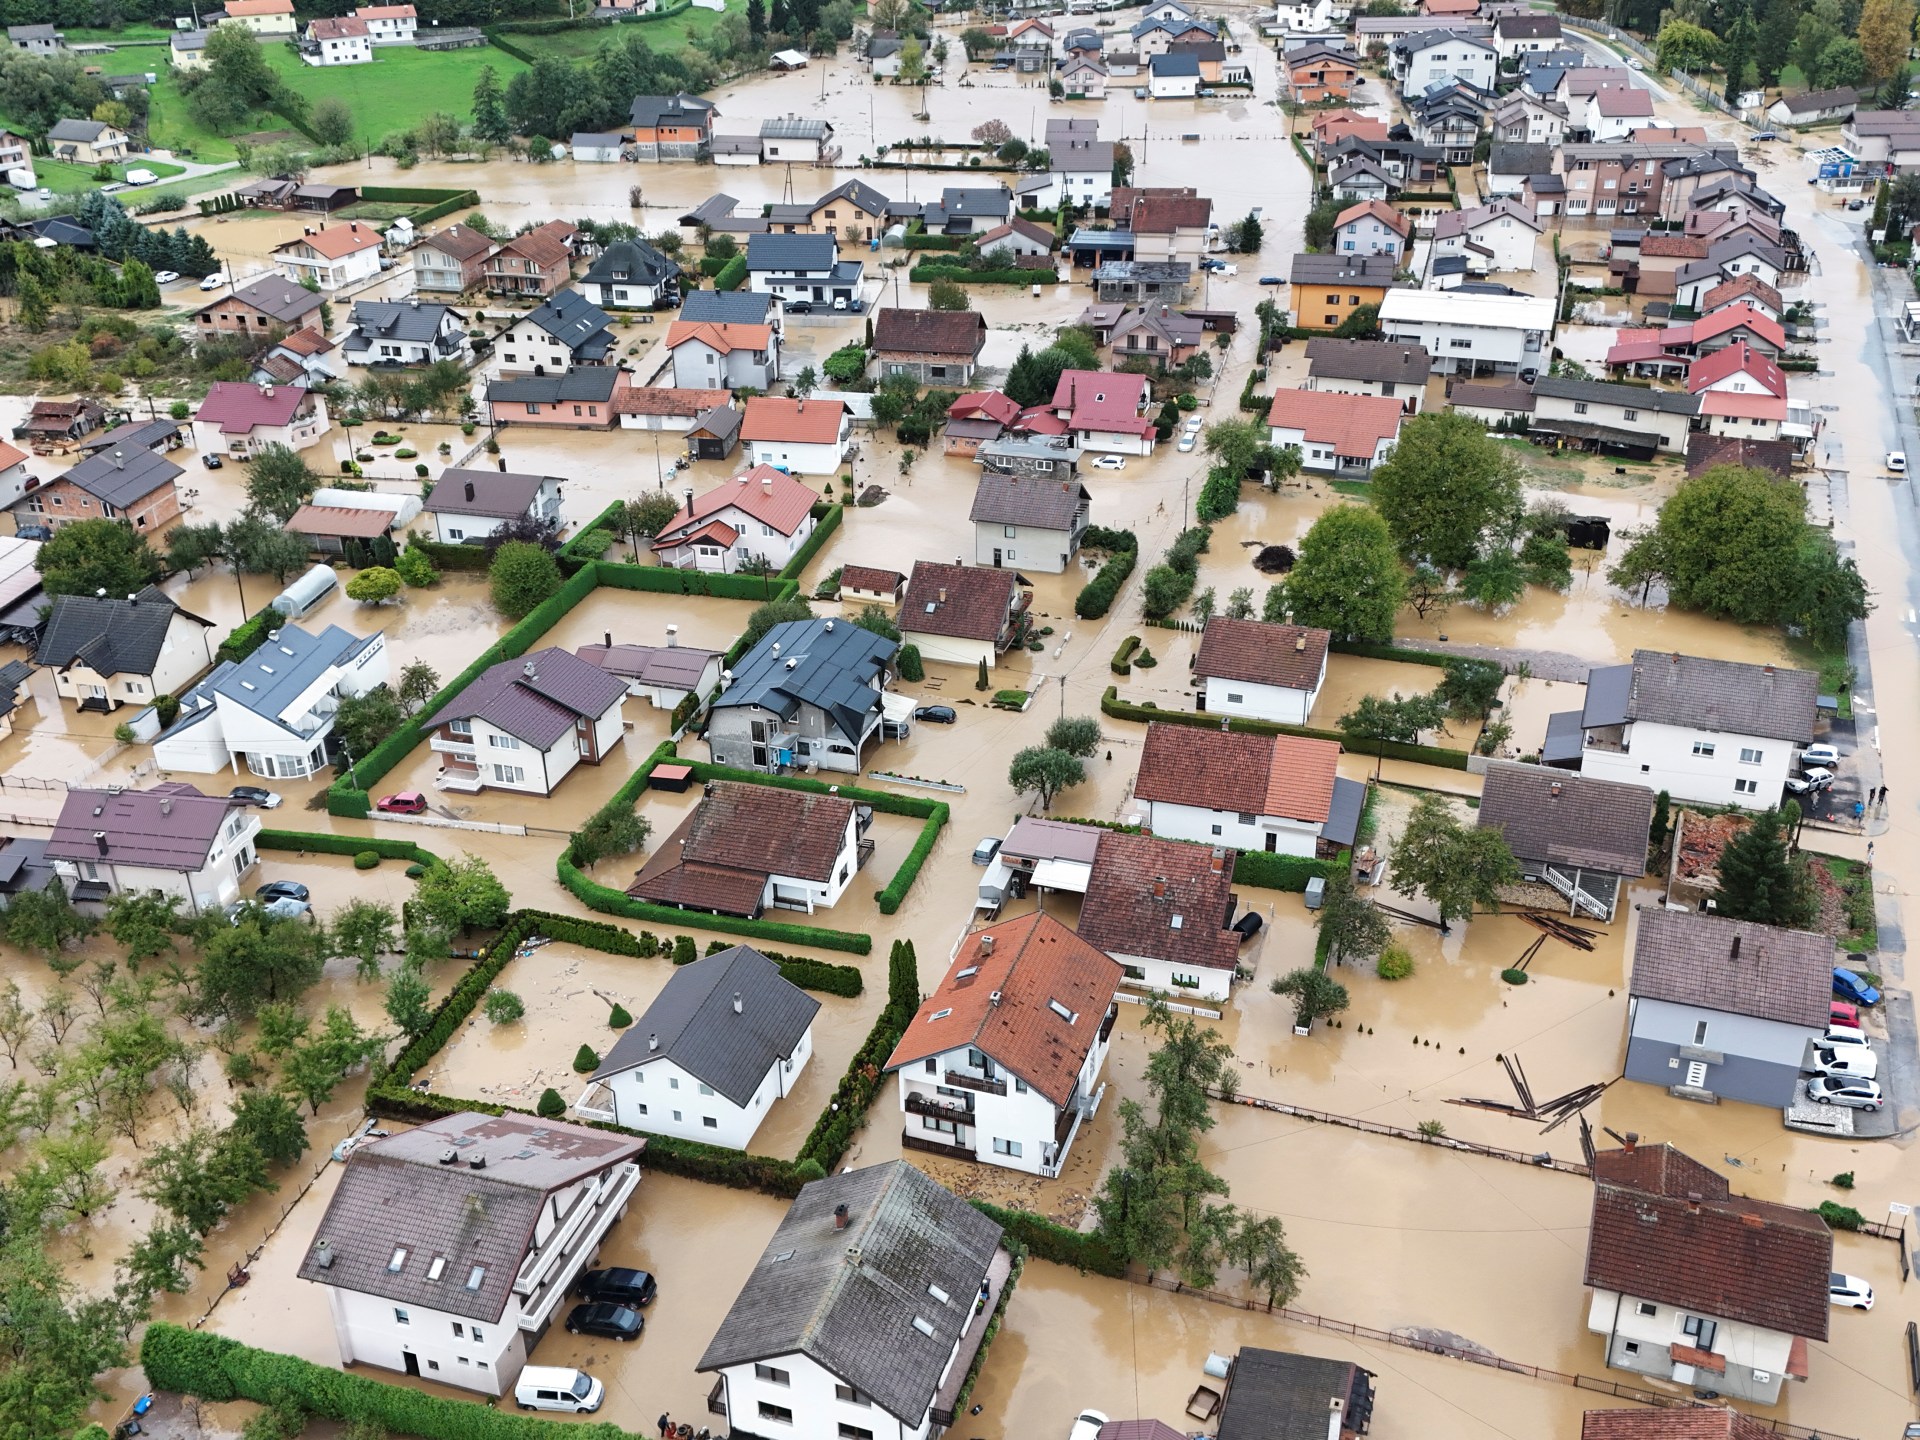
975	419
1330	127
719	355
332	256
1335	434
1744	290
803	436
1164	910
1106	411
1268	672
241	419
1737	324
536	263
1276	793
1698	1286
1739	368
1024	1019
762	514
337	40
1743	416
526	724
745	848
962	614
1672	350
1372	227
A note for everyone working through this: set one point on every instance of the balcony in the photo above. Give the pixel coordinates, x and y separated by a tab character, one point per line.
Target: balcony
462	748
1106	1025
919	1104
919	1140
595	1103
464	779
964	1081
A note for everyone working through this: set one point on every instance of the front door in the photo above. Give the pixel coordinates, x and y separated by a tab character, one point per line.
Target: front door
996	559
1273	843
759	757
412	1361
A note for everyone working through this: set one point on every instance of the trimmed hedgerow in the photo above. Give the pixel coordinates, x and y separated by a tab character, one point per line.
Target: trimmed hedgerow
890	898
1281	872
1096	597
1122	662
249	635
666	580
1046	1240
320	844
847	1108
1118	709
609	901
822	532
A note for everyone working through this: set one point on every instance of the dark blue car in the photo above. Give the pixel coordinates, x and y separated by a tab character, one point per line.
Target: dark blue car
1849	986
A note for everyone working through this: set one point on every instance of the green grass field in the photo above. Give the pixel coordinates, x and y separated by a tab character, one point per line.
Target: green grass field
128	35
400	88
170	126
668	35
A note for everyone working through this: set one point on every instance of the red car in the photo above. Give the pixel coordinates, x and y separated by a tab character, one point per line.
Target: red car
1842	1013
407	802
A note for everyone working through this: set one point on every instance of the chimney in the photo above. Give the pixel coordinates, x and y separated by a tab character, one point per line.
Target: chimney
119	458
776	648
607	637
100	840
829	627
766	484
840	1216
738	1008
1734	953
1693	1202
673	637
1752	1221
528	670
469	489
994	998
1629	1141
1160	888
1218	860
943	594
166	804
1553	791
653	1041
689	502
1300	644
986	944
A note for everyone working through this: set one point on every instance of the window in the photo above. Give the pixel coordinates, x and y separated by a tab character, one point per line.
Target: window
460	727
398	1262
503	742
508	774
643	1109
435	1364
772	1376
459	1331
673	1082
1701	1330
706	1089
932	1066
477	1336
1630	414
1010	532
848	1395
1699	1032
1019	1086
676	1115
400	1317
778	1413
1746	787
1235	697
474	1276
1703	749
1631	1347
1749	756
1648	1308
854	1432
1006	1147
1215	829
709	1122
1579	407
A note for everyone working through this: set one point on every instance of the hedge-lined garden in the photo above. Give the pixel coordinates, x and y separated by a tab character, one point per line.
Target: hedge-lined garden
1118	709
1096	597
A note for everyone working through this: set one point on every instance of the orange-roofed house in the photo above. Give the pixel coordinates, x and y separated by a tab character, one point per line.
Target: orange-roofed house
332	256
1335	434
1330	127
1268	672
262	17
1318	73
1372	227
806	437
761	514
536	263
1276	793
720	355
1749	416
1002	1062
390	24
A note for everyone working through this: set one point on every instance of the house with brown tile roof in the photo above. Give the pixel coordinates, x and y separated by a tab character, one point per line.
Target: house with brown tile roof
1744	290
962	614
746	848
871	585
1002	1062
536	263
1164	910
762	514
453	259
1028	522
929	346
1696	1285
526	724
1276	793
469	505
1696	1422
1586	838
332	256
1265	671
1335	434
1722	1009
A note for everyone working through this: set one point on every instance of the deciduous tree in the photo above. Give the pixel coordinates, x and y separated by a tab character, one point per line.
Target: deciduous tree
463	895
1044	771
375	585
521	577
1446	486
1347	578
90	556
1457	867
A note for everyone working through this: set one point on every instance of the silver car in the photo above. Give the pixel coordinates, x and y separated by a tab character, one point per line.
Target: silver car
1847	1090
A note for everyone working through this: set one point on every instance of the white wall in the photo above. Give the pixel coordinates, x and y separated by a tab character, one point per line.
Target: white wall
800	459
1159	975
650	1095
948	649
1027	548
808	1395
1108	442
1619	1317
184	654
229	859
1662	757
1197	823
790	892
368	1330
1264	702
525	346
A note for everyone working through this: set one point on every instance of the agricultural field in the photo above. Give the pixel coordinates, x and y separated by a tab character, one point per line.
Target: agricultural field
400	88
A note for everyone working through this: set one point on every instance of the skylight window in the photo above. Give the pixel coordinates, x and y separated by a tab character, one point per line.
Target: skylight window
398	1261
1062	1011
925	1327
438	1268
970	971
1178	921
939	1015
938	1294
475	1276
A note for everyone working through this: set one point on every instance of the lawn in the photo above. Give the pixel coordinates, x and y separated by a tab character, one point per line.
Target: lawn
64	179
400	88
127	35
170	126
665	36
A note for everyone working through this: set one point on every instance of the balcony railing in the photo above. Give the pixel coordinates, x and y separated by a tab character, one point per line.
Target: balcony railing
917	1140
976	1082
1106	1025
451	746
919	1104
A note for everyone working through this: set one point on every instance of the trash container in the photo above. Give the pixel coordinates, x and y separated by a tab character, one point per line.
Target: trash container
1316	892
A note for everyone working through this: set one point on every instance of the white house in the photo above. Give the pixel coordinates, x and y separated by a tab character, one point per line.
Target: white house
1516	35
714	355
595	147
469	505
392	332
1027	522
1276	793
802	267
525	724
1002	1062
1637	416
761	515
334	257
1500	236
864	1313
1470	334
1106	411
1164	910
240	419
1294	17
1715	731
449	1249
1369	367
631	275
106	652
342	40
662	675
812	694
390	24
1335	433
961	614
566	330
1173	76
1267	672
803	437
746	848
169	838
1697	1286
1372	227
724	1040
273	711
1434	57
1525	119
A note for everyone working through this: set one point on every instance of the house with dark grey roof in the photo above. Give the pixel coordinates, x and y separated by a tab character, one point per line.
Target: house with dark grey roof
731	307
865	1311
170	838
671	127
722	1043
24	867
87	142
259	306
1028	522
802	267
525	724
1722	1009
395	332
125	481
631	275
1716	731
469	505
1391	368
1586	838
16	689
812	692
1618	419
449	1249
589	398
662	675
107	652
747	847
1277	1395
567	330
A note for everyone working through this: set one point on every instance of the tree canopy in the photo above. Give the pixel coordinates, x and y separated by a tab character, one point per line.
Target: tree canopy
1347	578
1447	486
90	556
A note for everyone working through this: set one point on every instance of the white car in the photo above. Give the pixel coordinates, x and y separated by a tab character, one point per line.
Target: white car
165	277
1087	1426
1109	462
1849	1291
1824	755
1897	461
213	281
1187	442
1857	1061
1839	1037
1848	1090
142	177
1193	424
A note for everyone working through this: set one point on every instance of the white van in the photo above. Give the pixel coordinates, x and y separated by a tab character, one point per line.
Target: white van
555	1387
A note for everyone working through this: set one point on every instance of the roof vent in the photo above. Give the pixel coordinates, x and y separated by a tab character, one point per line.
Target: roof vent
738	1008
469	489
100	838
1553	791
792	661
449	1156
853	1254
994	998
829	627
166	804
478	1162
323	1258
1734	953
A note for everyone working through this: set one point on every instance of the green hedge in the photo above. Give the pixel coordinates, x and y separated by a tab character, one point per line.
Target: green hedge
863	1081
1122	662
1282	872
198	1362
1401	653
890	898
249	635
934	242
319	844
1046	1240
609	901
666	580
822	531
609	519
1118	709
439	203
928	273
1096	597
734	276
467	558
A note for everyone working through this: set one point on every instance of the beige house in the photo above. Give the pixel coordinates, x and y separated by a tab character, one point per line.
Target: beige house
87	142
262	17
105	652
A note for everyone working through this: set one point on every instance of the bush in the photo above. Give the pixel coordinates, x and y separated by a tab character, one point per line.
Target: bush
1118	709
908	663
522	577
1395	963
414	872
1281	872
1842	1181
1514	977
733	275
366	859
585	1062
1096	597
618	1017
551	1106
503	1007
1121	664
685	952
1046	1240
1841	1217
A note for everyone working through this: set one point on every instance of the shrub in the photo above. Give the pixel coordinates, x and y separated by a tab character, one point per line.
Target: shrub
551	1106
1395	963
1514	977
585	1062
1841	1217
406	452
1096	597
618	1017
414	872
1280	872
1842	1181
1121	664
365	859
685	952
503	1007
909	665
522	577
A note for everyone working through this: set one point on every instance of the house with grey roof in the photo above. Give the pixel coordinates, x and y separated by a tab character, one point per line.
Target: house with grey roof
1369	367
87	142
1722	1009
721	1044
796	139
1028	523
36	39
273	711
802	267
392	333
169	838
631	275
449	1249
469	505
662	675
1277	1395
731	307
1619	419
814	690
106	652
526	724
865	1311
968	210
1717	731
1586	838
568	329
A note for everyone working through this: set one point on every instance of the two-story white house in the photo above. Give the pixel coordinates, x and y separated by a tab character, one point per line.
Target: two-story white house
1082	163
337	40
724	1040
526	724
566	330
469	505
1335	432
393	333
1499	236
1028	522
1261	670
1276	793
746	848
1002	1062
1369	367
1433	57
812	691
1471	334
273	711
1164	910
448	1250
714	355
800	436
240	419
390	24
1372	227
1629	417
762	514
169	838
804	268
864	1314
1700	1287
1716	731
334	257
107	652
631	275
962	614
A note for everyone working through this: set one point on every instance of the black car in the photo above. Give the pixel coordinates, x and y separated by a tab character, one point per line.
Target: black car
619	1287
610	1321
212	462
936	714
282	890
254	795
799	307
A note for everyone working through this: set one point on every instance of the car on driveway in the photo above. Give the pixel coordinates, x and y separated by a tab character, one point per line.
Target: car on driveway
282	890
611	1322
936	714
1824	756
1087	1425
1842	1015
254	795
619	1286
165	277
984	852
1847	1090
405	802
1192	427
281	907
1849	1291
1858	1061
1850	986
1897	461
1839	1037
1187	442
1814	782
1108	462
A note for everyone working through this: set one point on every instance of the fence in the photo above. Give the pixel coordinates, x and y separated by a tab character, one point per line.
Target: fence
1541	1161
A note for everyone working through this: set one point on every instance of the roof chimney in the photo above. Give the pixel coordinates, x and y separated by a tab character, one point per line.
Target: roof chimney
1629	1141
607	637
689	501
1218	860
469	489
766	484
166	804
1693	1202
673	636
1734	953
1159	888
986	944
528	670
840	1216
738	1008
943	595
100	839
1553	791
653	1043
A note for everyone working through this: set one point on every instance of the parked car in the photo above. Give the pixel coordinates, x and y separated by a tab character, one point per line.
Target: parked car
552	1387
1823	755
1840	1013
165	277
984	852
1187	442
254	795
619	1286
1814	782
798	307
1272	280
282	907
609	1321
1849	1291
1856	204
1858	1061
1108	462
1192	427
1847	1090
282	890
1849	986
1087	1425
146	177
405	802
214	281
1839	1037
1764	135
212	462
936	714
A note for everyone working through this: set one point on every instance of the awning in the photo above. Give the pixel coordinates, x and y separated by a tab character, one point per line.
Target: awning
1063	875
1343	813
1566	739
1597	434
894	706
